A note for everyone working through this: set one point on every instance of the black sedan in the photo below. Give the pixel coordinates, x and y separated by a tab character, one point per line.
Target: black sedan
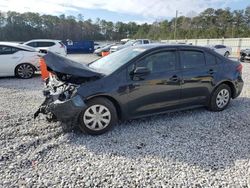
136	82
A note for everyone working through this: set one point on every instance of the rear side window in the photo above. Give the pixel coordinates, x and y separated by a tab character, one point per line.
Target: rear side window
61	43
219	46
192	59
138	42
5	50
32	44
45	44
210	59
159	62
145	41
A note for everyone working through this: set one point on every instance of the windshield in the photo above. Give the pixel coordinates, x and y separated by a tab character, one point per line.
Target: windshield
112	62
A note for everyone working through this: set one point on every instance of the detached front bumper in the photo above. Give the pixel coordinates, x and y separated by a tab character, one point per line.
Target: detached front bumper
62	110
65	110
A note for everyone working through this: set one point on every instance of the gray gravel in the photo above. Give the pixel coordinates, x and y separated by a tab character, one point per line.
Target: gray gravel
194	148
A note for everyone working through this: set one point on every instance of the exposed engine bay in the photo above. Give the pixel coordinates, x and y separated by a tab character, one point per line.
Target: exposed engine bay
61	99
55	91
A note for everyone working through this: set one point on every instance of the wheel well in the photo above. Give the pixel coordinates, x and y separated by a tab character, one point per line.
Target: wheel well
231	85
115	103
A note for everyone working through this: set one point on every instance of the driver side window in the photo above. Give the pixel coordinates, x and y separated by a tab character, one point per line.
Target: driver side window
159	62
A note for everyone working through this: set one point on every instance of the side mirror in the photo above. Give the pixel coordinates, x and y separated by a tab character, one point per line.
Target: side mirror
141	71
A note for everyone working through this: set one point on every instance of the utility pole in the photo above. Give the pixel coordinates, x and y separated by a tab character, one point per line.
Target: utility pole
175	25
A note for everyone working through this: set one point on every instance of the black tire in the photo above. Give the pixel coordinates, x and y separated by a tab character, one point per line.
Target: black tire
213	106
226	54
242	58
21	73
94	103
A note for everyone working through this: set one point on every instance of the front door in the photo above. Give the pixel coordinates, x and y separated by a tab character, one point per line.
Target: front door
157	91
9	56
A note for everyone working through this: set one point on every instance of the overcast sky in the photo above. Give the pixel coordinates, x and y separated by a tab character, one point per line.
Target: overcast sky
119	10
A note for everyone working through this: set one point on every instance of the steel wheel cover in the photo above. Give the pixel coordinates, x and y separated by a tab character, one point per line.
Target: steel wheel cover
222	98
97	117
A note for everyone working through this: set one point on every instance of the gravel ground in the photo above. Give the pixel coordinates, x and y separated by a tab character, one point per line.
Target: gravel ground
194	148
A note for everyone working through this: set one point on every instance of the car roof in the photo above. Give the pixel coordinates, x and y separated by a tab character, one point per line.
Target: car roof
14	44
162	45
17	45
43	40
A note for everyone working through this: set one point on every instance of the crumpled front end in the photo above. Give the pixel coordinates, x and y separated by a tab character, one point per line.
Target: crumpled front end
61	100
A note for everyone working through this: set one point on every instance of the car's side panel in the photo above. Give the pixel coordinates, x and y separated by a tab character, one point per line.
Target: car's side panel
156	94
8	63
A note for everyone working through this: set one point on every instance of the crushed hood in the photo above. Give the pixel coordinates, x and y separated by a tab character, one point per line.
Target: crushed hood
59	64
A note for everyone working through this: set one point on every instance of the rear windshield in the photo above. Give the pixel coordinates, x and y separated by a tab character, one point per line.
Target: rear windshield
25	47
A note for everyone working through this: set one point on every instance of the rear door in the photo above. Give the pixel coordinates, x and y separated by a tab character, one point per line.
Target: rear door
9	57
199	70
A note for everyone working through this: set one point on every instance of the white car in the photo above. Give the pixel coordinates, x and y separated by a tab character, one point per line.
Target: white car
222	49
129	43
44	45
18	60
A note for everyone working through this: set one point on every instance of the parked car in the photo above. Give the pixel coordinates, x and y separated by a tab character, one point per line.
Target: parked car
18	60
96	46
222	49
129	43
245	55
123	41
44	45
105	48
139	81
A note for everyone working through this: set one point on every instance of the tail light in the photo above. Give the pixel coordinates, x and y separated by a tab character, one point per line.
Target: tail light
239	68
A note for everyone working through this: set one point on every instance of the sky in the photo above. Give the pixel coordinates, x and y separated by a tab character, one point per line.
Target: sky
139	11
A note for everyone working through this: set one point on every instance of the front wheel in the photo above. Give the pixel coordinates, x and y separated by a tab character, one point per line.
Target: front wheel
220	98
99	116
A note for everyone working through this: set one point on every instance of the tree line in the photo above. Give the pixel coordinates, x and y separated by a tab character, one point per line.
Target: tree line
211	23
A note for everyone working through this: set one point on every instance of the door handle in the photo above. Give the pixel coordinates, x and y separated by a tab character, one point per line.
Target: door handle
211	71
175	78
14	57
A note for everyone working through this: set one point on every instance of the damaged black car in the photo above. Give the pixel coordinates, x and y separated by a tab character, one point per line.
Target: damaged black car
136	82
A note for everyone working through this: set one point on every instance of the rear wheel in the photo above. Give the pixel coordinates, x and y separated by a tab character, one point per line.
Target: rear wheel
220	98
25	71
98	117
